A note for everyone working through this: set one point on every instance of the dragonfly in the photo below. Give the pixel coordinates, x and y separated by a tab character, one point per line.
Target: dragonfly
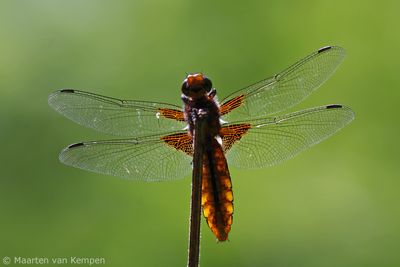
243	130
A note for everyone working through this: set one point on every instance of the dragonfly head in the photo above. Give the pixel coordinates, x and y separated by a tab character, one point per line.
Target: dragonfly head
196	85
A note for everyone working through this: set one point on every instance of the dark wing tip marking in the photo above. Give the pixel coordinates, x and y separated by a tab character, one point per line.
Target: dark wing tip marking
67	91
325	48
75	145
334	106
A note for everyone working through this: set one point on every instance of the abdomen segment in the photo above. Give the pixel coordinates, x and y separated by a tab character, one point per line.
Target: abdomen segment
217	195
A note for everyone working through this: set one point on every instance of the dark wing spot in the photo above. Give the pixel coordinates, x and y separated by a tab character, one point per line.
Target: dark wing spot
67	91
334	106
75	145
324	49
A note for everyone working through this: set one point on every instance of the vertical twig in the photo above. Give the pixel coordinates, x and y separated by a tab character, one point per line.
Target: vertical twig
195	209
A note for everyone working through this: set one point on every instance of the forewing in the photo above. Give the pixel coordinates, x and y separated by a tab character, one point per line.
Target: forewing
268	141
285	89
150	158
117	117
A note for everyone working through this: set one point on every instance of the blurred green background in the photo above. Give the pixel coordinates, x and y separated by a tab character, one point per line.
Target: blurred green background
336	204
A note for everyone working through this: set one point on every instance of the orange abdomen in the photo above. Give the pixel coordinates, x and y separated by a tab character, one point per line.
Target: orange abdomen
217	195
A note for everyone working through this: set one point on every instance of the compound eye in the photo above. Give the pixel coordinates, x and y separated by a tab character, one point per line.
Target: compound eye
185	87
207	84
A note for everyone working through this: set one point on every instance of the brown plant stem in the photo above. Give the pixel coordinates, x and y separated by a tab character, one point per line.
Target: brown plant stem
195	209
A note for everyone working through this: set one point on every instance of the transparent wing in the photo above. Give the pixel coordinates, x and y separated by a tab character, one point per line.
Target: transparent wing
148	158
268	141
285	89
117	117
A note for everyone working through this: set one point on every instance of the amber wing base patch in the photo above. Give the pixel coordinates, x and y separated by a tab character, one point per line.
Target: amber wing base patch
180	141
172	114
232	133
230	105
